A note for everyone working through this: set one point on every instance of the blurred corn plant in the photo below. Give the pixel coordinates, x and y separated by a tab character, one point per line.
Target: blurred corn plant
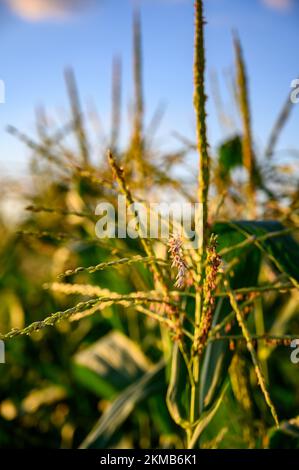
155	343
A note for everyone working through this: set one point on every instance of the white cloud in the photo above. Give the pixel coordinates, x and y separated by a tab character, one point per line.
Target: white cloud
36	10
279	4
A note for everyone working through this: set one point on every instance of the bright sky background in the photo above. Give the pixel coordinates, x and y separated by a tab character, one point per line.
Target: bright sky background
38	38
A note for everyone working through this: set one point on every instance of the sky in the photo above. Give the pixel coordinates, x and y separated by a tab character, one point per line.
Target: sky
39	38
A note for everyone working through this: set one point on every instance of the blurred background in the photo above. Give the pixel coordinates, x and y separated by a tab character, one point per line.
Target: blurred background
40	38
74	72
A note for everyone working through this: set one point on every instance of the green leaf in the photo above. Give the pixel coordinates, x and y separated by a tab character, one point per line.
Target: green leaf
178	392
110	365
230	155
215	364
287	436
206	418
218	356
291	427
283	249
150	383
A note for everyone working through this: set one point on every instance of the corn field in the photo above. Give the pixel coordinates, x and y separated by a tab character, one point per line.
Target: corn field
151	342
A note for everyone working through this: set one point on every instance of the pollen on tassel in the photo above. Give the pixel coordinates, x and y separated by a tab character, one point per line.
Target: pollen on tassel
175	244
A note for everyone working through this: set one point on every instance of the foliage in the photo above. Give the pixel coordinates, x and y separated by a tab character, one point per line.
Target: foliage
153	343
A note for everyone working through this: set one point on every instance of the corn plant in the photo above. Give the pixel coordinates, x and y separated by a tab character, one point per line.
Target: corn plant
196	334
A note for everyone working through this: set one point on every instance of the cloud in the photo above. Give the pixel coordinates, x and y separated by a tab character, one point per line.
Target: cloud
279	4
37	10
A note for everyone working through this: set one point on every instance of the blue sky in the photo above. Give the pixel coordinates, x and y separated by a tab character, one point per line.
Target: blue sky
37	41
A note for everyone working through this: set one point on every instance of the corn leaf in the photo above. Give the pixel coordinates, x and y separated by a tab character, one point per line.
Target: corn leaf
150	383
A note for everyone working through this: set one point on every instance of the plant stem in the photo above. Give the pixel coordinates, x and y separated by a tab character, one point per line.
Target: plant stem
137	147
243	98
250	347
77	115
119	176
199	100
116	103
